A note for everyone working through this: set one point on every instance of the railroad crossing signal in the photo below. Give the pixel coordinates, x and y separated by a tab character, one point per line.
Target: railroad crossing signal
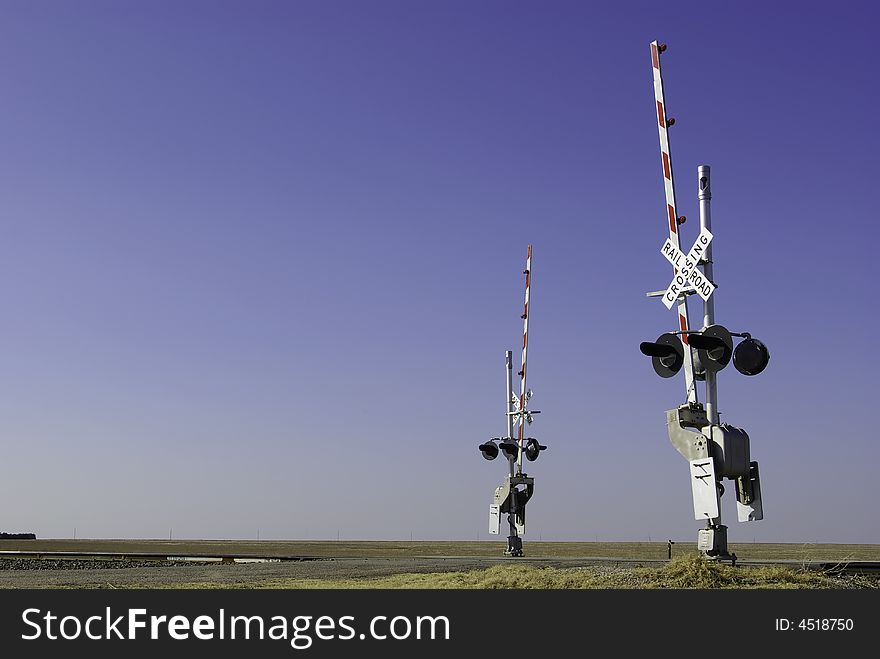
512	496
714	450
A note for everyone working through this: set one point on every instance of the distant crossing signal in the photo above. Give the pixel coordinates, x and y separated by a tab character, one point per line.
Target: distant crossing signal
509	448
489	450
533	449
511	497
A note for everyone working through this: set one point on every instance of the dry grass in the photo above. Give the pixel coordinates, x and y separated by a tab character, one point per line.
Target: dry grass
696	572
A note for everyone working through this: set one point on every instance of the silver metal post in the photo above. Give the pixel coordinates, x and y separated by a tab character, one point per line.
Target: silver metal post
508	356
511	461
704	193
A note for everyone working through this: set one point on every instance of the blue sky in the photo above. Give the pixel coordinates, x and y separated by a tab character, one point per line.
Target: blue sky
260	262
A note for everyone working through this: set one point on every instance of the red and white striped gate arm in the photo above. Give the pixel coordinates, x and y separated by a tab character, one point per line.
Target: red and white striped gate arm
662	125
525	350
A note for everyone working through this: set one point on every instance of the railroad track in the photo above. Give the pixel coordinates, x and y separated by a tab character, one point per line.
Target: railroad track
151	556
829	566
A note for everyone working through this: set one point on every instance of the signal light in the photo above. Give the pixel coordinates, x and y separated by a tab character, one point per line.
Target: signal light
714	346
751	356
533	449
510	449
489	450
666	353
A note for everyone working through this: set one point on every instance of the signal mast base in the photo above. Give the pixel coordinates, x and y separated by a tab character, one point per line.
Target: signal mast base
712	543
514	546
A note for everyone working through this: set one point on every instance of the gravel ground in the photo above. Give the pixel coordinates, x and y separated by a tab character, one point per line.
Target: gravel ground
81	564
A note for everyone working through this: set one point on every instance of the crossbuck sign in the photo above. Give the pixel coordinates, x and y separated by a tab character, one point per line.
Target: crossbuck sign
686	269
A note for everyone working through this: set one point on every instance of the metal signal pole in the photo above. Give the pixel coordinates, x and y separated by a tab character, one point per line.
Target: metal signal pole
512	459
704	193
511	403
